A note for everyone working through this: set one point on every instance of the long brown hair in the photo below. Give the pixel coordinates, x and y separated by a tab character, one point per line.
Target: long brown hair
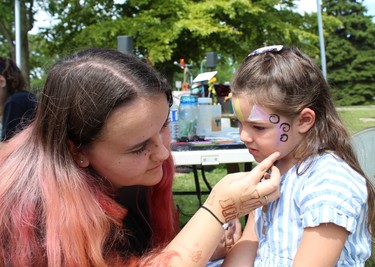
287	81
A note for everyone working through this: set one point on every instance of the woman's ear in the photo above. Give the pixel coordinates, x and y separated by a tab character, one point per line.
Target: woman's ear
78	155
306	120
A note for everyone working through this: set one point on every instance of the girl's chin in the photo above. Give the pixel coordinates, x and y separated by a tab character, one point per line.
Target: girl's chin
258	158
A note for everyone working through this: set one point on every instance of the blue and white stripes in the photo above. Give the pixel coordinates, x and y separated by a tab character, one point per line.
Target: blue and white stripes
330	191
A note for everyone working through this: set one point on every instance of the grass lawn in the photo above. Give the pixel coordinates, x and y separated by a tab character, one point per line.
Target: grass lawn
357	118
354	118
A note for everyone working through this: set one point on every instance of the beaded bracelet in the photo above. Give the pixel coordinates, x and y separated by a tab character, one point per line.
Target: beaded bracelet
224	225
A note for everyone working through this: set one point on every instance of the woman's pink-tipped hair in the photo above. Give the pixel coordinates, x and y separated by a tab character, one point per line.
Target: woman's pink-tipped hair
39	226
163	213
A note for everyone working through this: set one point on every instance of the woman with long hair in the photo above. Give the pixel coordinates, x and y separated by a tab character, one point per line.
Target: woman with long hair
89	182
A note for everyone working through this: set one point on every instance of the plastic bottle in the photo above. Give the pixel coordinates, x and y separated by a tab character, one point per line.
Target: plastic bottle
173	122
187	117
204	116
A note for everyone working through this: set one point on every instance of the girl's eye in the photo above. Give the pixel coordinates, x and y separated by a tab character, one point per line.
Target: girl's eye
259	128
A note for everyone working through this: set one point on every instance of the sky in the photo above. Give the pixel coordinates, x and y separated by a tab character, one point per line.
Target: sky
303	6
311	6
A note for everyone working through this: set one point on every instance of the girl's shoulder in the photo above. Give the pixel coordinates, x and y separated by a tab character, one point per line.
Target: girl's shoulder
329	169
329	161
331	191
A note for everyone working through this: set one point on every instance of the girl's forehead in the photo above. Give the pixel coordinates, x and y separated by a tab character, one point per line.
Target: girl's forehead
258	114
247	109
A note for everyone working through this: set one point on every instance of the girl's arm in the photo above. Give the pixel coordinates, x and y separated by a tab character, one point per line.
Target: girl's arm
243	253
320	246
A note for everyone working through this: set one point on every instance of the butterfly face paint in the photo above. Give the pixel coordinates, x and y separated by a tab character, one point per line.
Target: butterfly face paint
258	114
264	130
237	110
283	129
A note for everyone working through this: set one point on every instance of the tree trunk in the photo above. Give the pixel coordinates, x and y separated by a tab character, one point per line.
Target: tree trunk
25	65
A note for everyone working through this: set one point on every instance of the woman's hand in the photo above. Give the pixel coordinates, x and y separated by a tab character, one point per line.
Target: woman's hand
232	197
238	194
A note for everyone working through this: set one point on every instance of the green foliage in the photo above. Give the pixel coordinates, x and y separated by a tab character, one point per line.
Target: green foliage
350	53
6	28
166	30
7	31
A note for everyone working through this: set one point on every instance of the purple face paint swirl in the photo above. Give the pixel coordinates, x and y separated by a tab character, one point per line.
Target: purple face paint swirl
274	119
285	127
284	137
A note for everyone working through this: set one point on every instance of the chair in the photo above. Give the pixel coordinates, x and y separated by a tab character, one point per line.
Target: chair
364	146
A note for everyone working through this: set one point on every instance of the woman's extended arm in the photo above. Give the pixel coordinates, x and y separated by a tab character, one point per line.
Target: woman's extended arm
234	196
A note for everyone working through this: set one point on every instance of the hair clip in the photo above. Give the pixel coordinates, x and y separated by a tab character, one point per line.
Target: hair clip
265	50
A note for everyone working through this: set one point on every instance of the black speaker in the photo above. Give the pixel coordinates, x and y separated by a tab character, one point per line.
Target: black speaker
125	44
211	60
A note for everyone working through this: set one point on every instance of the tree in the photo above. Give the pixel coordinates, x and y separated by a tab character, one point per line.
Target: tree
7	31
166	30
350	52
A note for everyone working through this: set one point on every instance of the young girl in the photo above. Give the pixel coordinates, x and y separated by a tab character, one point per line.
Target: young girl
89	182
325	215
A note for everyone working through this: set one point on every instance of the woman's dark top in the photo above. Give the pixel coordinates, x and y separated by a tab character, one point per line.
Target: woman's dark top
19	109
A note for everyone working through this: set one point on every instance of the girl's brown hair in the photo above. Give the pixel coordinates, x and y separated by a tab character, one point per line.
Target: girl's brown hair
287	81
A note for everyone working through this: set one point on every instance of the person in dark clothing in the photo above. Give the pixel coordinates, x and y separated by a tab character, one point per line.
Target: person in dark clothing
18	104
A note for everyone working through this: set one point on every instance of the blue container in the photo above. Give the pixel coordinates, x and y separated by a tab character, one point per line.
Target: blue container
173	122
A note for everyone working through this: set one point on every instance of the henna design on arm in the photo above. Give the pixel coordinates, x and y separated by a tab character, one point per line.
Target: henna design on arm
247	203
250	202
196	256
211	197
229	209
